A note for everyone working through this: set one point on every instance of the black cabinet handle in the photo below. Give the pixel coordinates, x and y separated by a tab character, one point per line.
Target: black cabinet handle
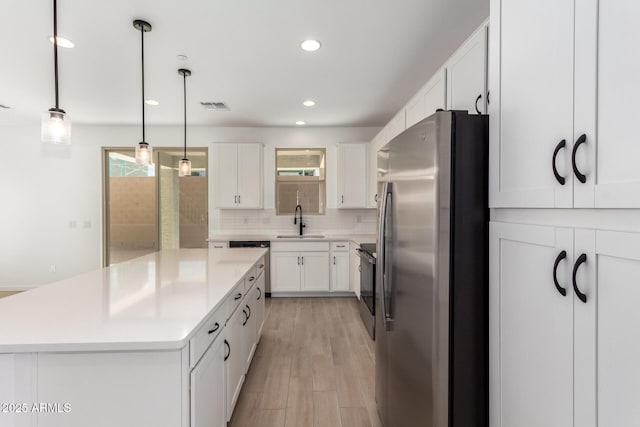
488	98
298	260
226	343
581	260
237	297
248	312
581	140
302	260
215	328
562	144
478	99
562	255
261	266
260	294
238	199
252	278
244	322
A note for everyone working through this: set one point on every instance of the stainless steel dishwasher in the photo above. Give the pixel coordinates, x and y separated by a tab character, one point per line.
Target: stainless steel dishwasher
267	261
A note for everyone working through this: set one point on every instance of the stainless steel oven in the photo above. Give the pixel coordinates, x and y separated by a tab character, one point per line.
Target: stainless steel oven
367	254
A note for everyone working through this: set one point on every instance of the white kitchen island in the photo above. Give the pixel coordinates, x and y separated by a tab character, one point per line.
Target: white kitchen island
161	340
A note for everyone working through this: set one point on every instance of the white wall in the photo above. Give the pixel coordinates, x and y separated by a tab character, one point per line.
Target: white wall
51	197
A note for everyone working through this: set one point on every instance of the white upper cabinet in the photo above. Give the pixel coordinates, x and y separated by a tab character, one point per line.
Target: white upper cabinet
531	103
239	180
467	76
429	99
606	104
352	175
396	126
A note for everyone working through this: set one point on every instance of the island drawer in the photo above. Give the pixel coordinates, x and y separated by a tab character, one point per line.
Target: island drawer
206	335
249	281
260	267
339	246
234	299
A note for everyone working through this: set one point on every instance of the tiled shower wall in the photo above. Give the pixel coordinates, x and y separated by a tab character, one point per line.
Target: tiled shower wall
335	221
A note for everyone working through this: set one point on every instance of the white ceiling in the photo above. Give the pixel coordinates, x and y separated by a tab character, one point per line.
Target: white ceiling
375	54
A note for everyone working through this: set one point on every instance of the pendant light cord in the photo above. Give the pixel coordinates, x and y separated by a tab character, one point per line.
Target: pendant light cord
142	43
184	79
55	49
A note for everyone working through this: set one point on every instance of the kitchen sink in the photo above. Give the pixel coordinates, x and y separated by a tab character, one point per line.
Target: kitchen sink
296	236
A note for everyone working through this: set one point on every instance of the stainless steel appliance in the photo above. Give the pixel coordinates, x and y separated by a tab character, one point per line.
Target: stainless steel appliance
267	260
432	262
367	254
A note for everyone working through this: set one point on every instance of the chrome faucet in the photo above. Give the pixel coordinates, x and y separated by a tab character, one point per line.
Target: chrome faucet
295	218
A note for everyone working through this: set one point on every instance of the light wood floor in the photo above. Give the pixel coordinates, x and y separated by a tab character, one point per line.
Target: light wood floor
314	367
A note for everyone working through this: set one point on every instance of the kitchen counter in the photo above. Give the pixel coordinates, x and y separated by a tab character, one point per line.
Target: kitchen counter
155	302
356	238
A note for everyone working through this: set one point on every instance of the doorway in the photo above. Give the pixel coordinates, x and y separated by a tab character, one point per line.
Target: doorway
149	207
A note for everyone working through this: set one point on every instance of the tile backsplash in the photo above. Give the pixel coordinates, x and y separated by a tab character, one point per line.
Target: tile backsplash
335	221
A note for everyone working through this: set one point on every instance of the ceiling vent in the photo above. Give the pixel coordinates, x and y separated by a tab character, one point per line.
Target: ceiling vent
215	106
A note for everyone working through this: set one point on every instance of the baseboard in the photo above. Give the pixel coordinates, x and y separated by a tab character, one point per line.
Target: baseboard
312	294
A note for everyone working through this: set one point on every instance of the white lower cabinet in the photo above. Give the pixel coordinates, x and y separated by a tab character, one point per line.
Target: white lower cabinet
259	301
208	388
299	267
235	362
249	328
563	348
340	267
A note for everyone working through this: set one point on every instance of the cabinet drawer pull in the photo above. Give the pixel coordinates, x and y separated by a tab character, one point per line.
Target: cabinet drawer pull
260	294
261	266
562	255
248	312
581	260
237	297
226	343
562	144
215	328
302	260
478	99
244	321
375	198
581	140
334	260
238	199
252	278
298	260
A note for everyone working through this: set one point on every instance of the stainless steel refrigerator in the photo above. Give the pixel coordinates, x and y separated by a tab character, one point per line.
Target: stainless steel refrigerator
432	276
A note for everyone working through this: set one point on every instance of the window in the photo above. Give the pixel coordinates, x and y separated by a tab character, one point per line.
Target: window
300	179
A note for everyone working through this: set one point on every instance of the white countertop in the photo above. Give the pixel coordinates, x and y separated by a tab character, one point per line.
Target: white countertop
155	302
356	238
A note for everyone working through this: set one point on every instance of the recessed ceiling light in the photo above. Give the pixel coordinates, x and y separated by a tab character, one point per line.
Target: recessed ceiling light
151	102
300	123
62	42
309	103
310	45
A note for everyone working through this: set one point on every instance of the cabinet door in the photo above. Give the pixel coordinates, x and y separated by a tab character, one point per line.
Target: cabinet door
315	271
208	388
429	99
260	306
235	363
285	271
249	326
606	112
531	108
250	176
607	349
396	125
352	176
531	326
340	271
467	75
227	179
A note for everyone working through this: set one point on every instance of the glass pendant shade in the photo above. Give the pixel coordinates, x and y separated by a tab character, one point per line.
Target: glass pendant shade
56	127
184	168
144	154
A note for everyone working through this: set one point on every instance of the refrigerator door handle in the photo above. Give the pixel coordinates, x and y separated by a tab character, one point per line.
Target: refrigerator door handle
387	190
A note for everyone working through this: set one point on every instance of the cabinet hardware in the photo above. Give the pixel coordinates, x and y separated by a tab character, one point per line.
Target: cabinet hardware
562	255
339	246
298	260
252	278
581	140
215	328
581	260
259	294
235	199
562	144
302	260
238	199
375	198
246	319
334	260
237	297
478	99
249	312
261	266
343	199
226	343
488	98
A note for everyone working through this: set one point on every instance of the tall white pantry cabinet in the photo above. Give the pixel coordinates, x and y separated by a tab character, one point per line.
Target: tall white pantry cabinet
565	196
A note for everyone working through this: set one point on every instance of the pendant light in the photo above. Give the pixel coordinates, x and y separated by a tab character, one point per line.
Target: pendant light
56	126
144	153
184	168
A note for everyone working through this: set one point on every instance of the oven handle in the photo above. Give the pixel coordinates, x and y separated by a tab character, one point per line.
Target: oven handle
387	190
